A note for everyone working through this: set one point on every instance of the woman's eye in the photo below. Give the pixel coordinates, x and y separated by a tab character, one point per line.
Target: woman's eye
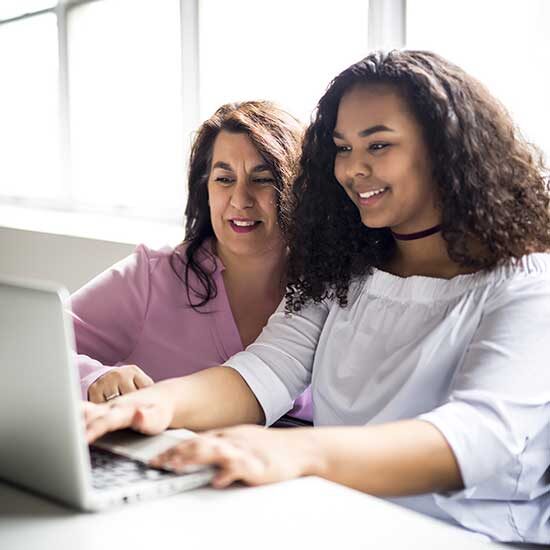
378	146
264	181
223	179
342	149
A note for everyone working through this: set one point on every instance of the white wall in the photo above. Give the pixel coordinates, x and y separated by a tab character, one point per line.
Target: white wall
71	261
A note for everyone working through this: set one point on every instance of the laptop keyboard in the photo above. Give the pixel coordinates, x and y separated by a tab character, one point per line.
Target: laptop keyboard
110	470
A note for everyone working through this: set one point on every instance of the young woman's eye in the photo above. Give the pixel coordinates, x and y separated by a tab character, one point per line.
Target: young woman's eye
342	149
378	146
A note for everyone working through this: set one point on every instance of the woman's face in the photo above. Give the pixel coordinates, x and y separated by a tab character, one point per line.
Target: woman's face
382	161
242	198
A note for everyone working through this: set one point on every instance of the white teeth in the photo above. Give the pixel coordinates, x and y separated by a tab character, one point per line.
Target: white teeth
240	223
369	194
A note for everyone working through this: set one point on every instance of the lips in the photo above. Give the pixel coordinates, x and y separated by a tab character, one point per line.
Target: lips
372	193
372	196
244	225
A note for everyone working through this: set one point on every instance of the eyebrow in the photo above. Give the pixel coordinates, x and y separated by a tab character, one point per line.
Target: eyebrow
225	166
367	132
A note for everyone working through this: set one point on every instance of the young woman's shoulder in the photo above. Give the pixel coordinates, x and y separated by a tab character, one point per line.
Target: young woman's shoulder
514	280
532	266
528	274
525	281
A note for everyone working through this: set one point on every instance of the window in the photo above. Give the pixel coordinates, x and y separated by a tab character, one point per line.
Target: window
15	8
99	98
287	51
102	96
29	100
504	43
127	147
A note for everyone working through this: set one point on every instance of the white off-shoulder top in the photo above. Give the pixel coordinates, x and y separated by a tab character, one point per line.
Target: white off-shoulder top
469	354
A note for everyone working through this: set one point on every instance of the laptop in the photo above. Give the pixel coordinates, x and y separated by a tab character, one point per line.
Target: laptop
42	441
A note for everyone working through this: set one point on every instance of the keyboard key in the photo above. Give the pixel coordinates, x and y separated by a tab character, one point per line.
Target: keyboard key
110	470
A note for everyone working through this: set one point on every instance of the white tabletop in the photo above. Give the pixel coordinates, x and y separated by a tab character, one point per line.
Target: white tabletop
305	513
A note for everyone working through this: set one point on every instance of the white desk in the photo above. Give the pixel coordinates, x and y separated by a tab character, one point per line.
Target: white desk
301	514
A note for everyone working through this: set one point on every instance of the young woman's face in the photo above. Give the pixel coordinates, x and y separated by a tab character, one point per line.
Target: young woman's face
382	161
242	197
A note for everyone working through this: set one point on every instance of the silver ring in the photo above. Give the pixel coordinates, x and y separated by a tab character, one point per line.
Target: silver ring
112	396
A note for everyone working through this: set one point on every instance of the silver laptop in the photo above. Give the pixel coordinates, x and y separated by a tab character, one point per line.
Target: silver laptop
42	441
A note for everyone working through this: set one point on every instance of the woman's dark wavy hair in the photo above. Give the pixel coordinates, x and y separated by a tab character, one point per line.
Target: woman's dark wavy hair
277	136
492	184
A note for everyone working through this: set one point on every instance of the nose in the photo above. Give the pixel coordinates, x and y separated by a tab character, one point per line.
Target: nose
242	198
357	167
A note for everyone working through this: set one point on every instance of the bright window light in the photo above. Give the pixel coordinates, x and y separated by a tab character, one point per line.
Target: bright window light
286	51
29	123
504	43
125	105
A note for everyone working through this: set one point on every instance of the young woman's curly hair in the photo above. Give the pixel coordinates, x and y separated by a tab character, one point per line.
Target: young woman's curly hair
492	185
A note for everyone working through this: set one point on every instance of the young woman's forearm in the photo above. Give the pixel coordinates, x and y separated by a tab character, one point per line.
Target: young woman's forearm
212	398
401	458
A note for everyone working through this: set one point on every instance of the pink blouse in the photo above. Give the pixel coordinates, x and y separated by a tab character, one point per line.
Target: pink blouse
137	312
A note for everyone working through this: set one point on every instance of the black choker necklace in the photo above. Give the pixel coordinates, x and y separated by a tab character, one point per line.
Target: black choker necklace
419	235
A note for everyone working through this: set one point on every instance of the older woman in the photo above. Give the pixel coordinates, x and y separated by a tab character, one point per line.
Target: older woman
166	313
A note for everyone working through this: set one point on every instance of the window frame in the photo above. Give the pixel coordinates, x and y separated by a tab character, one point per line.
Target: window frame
385	27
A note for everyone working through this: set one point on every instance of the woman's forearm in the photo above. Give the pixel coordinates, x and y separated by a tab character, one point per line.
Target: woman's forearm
397	459
212	398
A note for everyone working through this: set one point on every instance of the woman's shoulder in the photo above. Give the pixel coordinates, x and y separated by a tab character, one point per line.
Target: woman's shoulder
513	275
146	259
528	276
145	253
164	268
536	264
148	253
131	272
204	255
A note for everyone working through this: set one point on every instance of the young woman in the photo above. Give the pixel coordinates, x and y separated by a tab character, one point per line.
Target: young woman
417	307
165	313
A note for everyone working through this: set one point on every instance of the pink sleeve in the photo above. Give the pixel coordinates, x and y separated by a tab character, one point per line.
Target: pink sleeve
108	315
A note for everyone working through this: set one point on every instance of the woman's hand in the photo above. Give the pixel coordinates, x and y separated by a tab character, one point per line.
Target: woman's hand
251	454
118	381
148	411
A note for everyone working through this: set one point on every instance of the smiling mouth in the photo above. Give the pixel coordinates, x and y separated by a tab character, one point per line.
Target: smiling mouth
369	198
244	226
369	194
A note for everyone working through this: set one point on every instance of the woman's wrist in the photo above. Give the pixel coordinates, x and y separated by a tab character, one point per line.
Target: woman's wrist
310	454
169	396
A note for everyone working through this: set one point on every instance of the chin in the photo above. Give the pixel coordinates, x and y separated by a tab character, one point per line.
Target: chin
247	249
374	223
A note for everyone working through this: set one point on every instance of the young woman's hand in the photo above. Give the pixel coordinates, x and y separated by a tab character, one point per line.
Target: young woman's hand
251	454
147	411
118	381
